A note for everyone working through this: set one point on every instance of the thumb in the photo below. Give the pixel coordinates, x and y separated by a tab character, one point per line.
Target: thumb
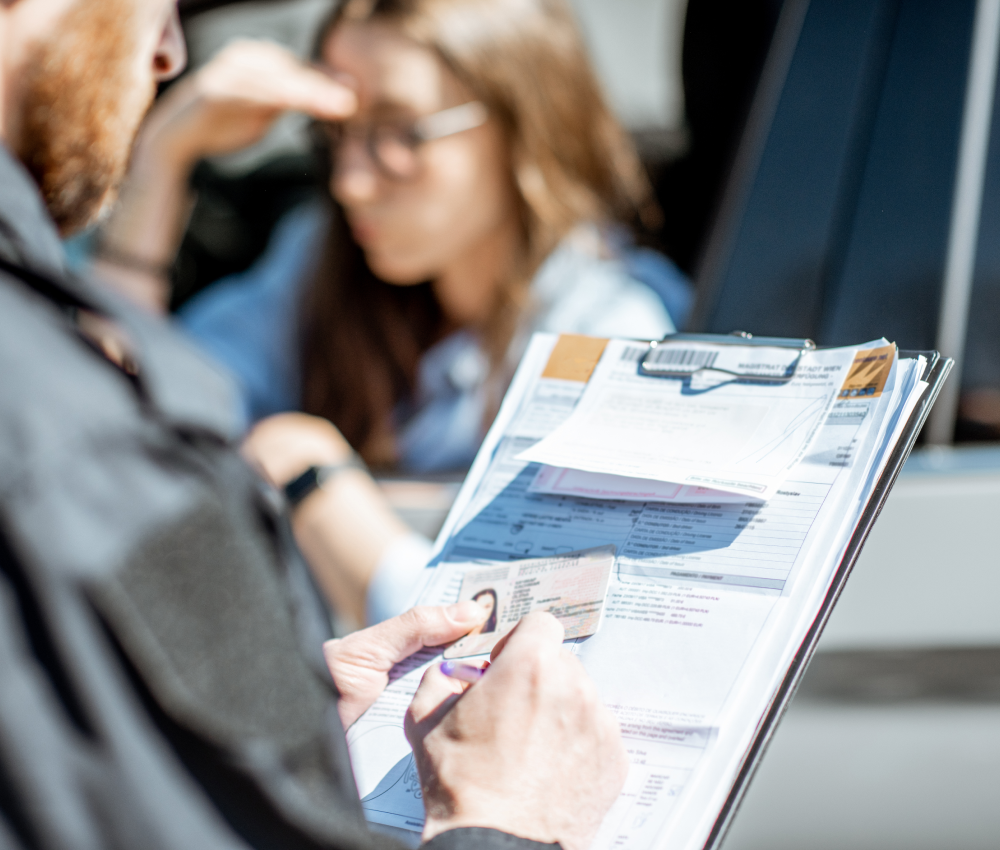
535	630
398	638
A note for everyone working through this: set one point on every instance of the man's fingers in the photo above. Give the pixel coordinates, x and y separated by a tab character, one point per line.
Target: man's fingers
498	647
433	698
541	626
430	626
537	628
384	644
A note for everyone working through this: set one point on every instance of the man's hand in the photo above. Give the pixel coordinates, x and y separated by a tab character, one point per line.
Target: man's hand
529	749
232	101
360	663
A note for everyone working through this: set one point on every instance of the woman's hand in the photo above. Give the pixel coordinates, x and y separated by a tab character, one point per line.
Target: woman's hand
360	663
232	101
228	104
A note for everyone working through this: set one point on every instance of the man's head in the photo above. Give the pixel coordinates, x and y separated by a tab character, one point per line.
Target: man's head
77	76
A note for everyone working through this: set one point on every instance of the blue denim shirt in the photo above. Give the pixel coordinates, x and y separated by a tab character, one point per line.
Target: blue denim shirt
248	322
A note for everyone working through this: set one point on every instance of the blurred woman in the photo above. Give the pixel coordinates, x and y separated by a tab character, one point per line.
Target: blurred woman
479	193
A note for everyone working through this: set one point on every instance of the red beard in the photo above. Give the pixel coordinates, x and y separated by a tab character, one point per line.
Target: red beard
85	93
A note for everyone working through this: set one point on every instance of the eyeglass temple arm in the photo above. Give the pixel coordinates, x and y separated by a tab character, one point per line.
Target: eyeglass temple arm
450	121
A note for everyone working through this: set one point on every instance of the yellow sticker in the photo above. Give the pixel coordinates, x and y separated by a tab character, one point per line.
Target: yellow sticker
869	372
574	357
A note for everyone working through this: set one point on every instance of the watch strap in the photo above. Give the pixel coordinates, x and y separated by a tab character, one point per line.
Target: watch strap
316	476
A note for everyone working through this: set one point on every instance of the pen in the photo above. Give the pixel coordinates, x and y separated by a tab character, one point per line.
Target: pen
462	672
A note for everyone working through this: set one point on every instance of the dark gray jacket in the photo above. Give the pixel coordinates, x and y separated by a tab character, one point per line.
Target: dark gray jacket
161	679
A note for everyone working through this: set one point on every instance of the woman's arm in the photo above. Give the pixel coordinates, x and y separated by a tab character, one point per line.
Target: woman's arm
227	105
138	243
345	527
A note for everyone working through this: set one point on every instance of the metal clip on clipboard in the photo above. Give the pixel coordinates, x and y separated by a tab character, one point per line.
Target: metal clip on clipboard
675	357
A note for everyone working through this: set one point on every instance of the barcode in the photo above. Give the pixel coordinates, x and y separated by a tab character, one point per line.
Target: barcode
633	353
670	356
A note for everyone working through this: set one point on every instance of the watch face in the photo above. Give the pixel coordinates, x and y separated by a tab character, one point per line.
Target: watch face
298	488
189	7
316	476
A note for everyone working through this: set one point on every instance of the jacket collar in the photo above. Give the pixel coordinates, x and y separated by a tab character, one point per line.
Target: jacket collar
28	235
182	386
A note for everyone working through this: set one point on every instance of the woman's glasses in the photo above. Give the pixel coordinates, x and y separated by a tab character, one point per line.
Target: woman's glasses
393	147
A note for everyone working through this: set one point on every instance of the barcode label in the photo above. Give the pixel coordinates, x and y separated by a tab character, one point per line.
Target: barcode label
687	357
633	353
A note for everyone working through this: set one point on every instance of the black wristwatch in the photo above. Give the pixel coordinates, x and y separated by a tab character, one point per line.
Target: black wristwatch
316	476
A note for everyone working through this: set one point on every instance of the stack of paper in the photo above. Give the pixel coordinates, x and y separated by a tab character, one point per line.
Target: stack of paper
711	593
743	438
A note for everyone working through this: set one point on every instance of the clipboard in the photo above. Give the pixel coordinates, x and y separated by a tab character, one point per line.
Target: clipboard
654	365
935	372
580	357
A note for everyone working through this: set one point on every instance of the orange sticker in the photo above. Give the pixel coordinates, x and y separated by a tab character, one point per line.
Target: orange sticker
574	357
869	372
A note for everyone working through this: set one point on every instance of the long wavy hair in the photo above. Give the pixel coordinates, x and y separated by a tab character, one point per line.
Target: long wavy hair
525	60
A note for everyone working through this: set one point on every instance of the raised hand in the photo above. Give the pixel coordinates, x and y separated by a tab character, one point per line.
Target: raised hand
232	101
226	105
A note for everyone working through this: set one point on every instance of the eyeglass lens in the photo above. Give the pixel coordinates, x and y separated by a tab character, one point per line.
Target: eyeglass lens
393	150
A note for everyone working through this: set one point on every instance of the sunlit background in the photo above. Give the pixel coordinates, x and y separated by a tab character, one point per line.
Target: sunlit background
806	157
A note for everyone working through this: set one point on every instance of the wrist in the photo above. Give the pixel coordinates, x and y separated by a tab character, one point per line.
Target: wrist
125	258
164	157
319	476
482	838
442	833
148	287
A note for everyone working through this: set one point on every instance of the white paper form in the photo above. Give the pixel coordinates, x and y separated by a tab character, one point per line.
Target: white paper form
687	821
665	741
559	481
701	603
739	437
761	678
835	448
